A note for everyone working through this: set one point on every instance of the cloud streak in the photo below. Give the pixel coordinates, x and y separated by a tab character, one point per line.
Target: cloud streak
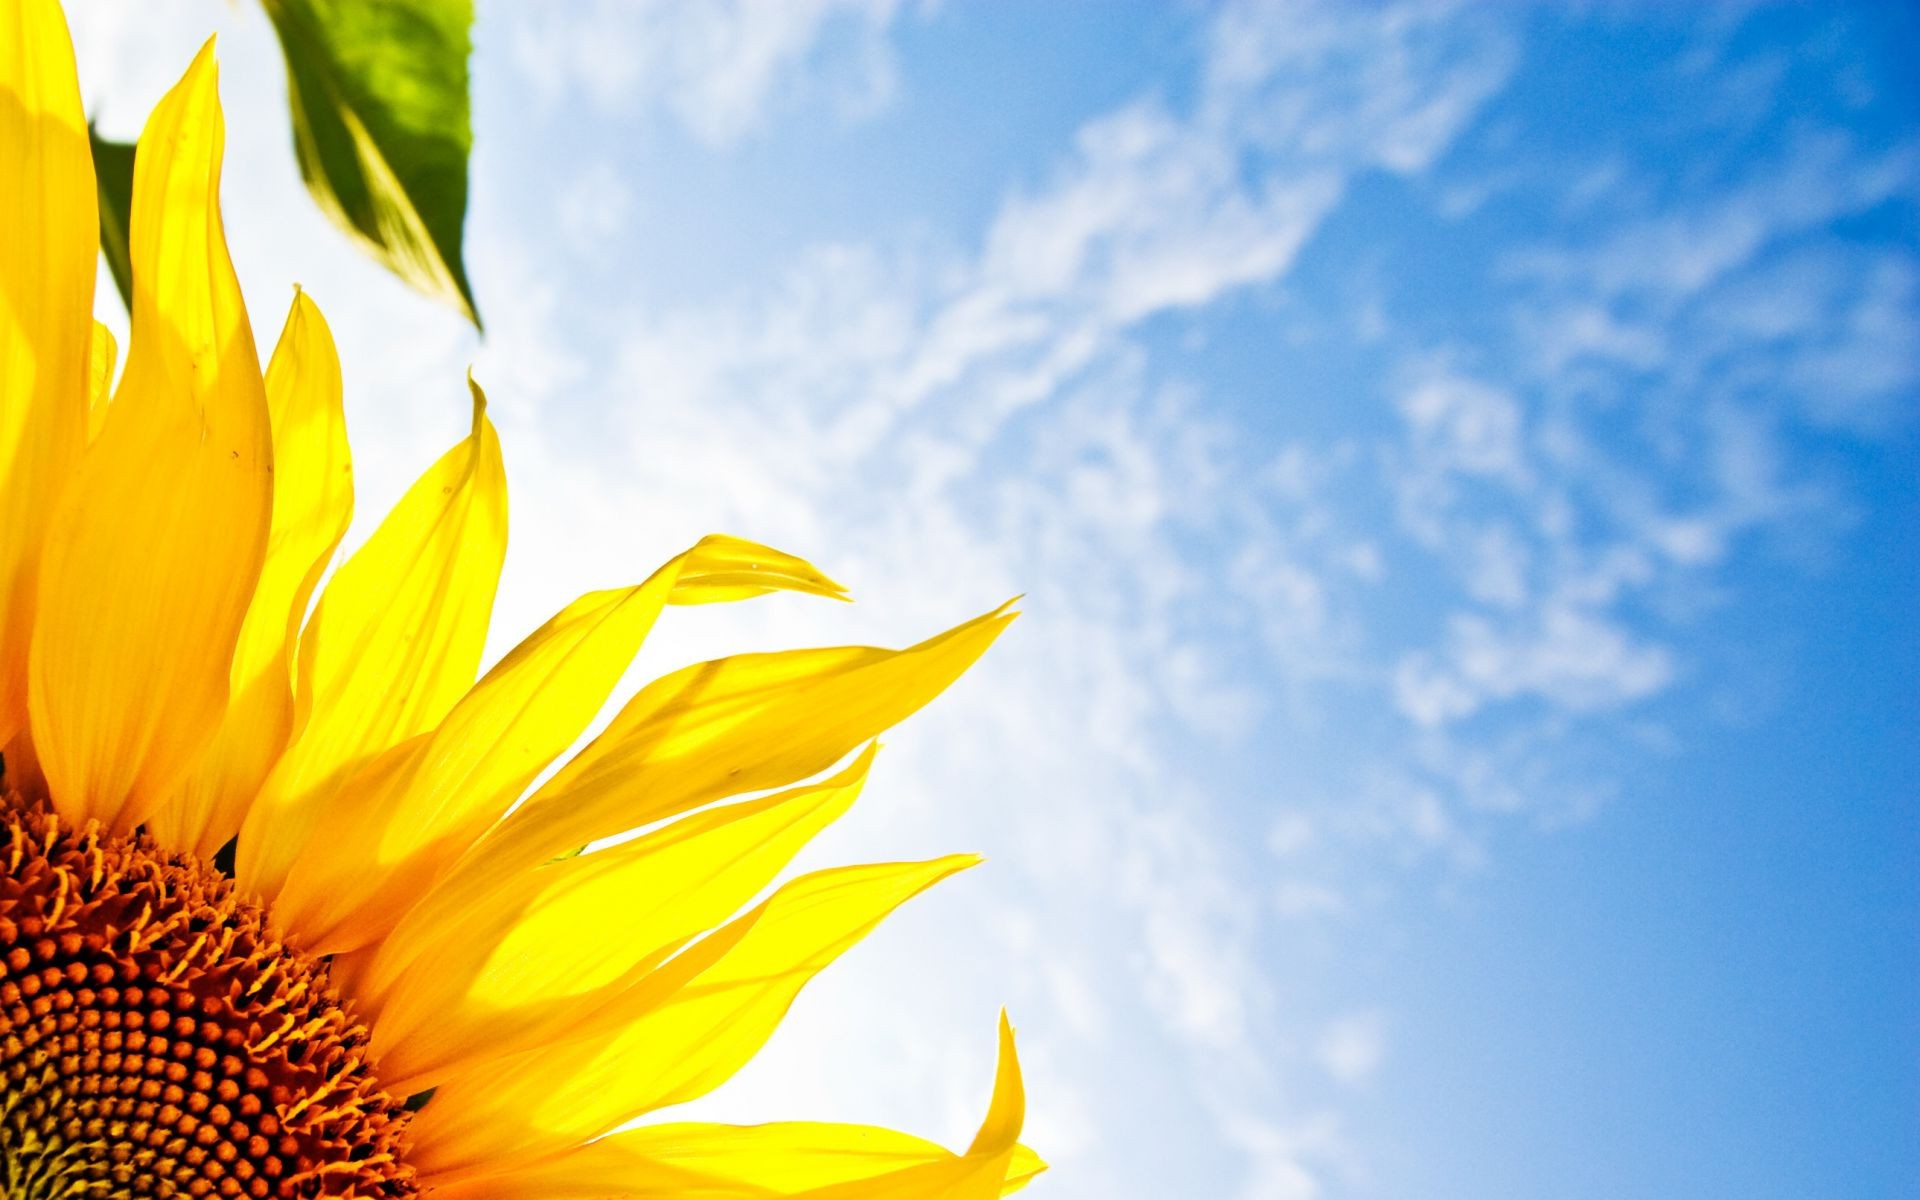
715	68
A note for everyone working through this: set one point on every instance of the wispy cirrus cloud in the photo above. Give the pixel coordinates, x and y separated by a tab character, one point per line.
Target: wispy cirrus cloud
716	68
989	418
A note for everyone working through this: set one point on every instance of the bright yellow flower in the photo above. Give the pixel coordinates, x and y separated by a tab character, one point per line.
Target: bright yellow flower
402	978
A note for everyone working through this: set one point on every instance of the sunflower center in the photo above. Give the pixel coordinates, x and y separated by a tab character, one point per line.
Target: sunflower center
157	1039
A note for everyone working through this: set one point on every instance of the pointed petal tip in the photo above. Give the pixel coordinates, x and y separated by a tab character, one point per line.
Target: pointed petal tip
193	102
1007	1110
305	325
1024	1169
992	623
204	70
1009	1054
998	618
925	873
721	566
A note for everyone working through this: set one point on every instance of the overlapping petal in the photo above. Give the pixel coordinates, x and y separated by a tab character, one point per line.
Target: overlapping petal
532	959
413	810
101	357
393	644
312	503
675	1034
155	548
793	1159
723	728
48	246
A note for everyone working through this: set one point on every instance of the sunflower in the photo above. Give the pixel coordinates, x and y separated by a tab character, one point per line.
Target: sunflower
284	913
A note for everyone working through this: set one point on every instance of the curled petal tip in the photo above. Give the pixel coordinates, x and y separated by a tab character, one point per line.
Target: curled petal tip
479	398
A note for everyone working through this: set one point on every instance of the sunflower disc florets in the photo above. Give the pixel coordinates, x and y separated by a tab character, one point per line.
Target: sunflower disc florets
157	1039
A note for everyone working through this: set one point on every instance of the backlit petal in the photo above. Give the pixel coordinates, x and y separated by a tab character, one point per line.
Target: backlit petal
723	728
48	246
100	362
312	503
792	1159
383	846
731	568
526	961
394	642
154	551
676	1035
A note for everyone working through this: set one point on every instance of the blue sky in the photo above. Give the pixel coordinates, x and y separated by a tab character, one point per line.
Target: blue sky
1461	466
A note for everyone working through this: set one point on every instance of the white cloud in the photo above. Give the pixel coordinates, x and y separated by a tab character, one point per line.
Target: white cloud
1463	426
593	207
1677	253
1198	969
1571	657
1151	215
1428	693
1300	899
1352	1047
1860	372
1577	482
1386	86
1293	1160
717	67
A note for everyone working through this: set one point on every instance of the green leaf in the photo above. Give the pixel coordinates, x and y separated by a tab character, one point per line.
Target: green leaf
378	90
113	177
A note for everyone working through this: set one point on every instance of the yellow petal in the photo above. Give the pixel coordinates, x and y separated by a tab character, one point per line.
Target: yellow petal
395	640
48	246
713	1162
1023	1166
100	361
1007	1112
731	568
726	727
383	846
526	961
312	503
676	1035
791	1159
154	551
995	1165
